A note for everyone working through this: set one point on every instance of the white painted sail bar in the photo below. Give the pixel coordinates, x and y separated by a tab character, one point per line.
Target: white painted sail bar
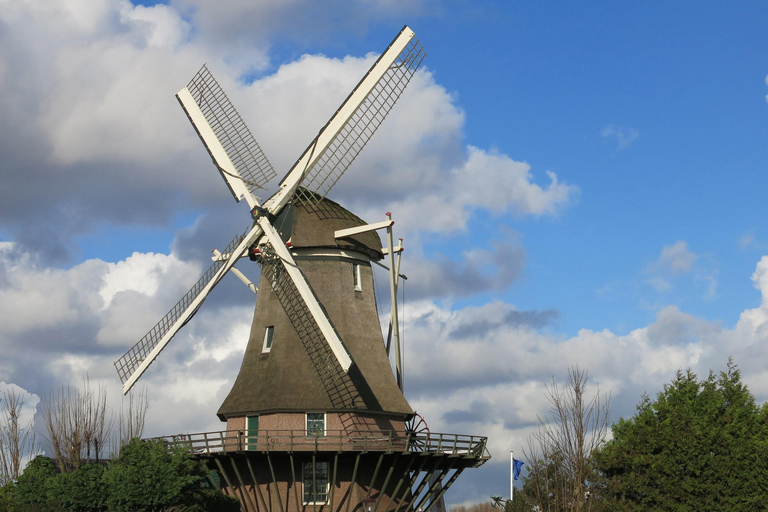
246	242
229	173
338	348
315	150
365	228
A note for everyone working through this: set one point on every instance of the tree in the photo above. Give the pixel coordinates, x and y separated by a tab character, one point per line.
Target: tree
17	440
700	446
150	475
560	475
77	421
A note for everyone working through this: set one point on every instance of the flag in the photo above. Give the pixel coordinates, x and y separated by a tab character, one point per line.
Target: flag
518	464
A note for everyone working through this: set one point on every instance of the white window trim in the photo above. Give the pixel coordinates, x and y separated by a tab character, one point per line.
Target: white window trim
356	277
306	423
264	347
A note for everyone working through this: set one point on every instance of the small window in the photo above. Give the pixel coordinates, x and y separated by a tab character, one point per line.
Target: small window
356	277
315	478
269	333
315	423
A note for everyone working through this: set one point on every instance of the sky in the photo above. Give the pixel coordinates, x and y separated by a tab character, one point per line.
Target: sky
576	184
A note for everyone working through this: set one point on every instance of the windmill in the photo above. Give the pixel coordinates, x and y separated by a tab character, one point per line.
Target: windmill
316	416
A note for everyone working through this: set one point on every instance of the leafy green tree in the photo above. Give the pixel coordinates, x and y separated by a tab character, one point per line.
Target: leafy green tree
30	493
149	476
83	490
700	446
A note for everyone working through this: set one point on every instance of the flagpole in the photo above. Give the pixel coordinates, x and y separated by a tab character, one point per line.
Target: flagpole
511	474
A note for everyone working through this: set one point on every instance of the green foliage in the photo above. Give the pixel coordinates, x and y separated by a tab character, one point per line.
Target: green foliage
6	497
30	491
700	446
82	490
147	476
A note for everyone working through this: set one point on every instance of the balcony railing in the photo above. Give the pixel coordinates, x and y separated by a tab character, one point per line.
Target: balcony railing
338	441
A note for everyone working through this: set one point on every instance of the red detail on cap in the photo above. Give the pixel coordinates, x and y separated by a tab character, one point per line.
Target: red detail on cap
288	244
389	213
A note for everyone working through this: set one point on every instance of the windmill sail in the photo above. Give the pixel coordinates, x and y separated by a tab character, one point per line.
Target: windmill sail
228	140
136	360
344	136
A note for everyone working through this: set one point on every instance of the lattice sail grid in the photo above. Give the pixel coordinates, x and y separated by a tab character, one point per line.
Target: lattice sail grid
361	125
335	381
132	359
230	129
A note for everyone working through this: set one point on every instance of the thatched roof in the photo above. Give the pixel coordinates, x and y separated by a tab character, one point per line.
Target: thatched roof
284	379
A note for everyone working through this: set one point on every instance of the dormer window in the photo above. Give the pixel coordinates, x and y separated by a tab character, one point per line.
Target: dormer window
269	334
356	277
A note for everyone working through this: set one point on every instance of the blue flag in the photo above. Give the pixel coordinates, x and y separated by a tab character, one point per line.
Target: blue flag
518	464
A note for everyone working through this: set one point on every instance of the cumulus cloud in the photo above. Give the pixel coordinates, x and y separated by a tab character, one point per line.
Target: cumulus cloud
624	135
676	259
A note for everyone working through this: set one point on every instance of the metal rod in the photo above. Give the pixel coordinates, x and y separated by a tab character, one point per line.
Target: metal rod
393	300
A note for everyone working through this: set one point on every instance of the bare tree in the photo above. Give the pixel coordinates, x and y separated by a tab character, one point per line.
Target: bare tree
17	442
133	412
560	451
76	421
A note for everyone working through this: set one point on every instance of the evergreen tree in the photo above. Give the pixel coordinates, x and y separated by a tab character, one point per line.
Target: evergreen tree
700	446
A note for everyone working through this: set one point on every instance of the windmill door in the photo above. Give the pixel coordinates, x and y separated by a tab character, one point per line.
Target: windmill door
252	432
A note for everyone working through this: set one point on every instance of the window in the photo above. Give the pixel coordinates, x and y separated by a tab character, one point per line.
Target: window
269	333
252	432
315	477
315	423
356	277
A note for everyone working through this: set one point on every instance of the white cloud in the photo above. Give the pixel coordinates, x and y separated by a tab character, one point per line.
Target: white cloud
676	259
624	135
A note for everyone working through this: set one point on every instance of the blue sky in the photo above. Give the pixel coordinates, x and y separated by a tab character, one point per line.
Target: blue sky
644	254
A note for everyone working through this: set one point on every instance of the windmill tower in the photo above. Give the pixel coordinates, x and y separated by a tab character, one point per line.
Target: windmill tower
316	419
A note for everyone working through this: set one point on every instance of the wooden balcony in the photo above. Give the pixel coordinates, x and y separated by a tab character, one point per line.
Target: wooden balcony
290	441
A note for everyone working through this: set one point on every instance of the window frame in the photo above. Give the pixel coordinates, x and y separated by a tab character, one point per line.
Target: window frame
356	277
315	432
312	467
269	339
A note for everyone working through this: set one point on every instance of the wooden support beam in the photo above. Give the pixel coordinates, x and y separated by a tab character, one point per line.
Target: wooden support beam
333	482
352	481
243	489
258	487
386	482
453	478
416	474
295	486
433	485
375	474
274	482
231	488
